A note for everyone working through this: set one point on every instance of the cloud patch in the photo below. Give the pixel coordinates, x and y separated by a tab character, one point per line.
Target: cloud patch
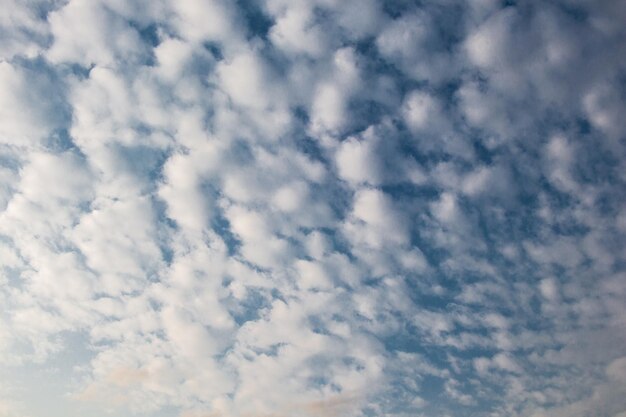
323	208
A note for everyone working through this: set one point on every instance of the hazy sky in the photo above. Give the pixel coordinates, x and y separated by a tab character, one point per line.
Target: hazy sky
312	208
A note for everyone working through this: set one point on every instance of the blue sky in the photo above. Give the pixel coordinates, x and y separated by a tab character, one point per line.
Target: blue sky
312	208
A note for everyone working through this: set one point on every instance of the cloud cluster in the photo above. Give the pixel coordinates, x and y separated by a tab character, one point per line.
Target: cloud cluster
312	208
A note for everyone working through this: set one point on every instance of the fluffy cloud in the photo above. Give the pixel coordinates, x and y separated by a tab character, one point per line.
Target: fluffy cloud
32	105
312	208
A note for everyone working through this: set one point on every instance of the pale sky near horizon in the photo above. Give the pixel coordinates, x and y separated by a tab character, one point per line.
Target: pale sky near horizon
312	208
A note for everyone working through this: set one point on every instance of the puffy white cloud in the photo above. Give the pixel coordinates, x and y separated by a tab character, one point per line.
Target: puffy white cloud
118	240
24	31
329	108
374	208
604	108
331	99
89	33
296	32
244	79
172	56
29	112
202	21
405	41
357	161
488	45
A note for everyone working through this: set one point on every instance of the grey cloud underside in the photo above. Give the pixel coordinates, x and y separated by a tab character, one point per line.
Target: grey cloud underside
312	208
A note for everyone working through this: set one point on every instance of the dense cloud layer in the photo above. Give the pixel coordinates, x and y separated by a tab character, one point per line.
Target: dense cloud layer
312	208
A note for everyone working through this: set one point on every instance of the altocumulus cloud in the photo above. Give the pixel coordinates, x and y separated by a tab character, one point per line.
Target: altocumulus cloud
312	208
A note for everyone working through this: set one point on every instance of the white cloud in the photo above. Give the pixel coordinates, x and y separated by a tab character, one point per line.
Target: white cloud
26	119
200	21
357	161
244	79
488	45
376	220
88	33
296	32
374	208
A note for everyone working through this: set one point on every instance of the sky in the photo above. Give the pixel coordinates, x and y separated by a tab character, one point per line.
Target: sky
312	208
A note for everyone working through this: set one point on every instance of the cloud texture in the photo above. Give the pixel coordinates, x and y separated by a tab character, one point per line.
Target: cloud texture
320	208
